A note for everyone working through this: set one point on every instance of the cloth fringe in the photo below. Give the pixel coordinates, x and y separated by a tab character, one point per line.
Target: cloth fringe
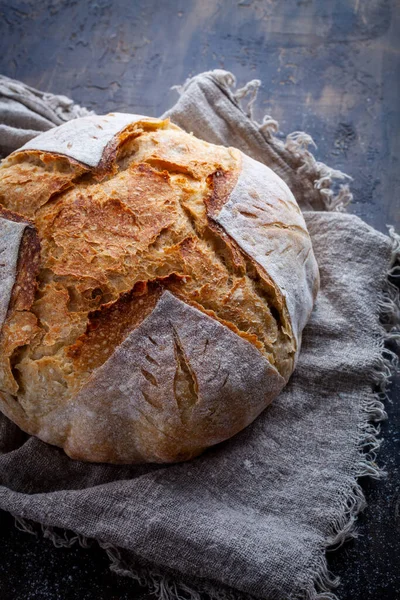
297	144
249	91
162	585
56	107
66	540
165	587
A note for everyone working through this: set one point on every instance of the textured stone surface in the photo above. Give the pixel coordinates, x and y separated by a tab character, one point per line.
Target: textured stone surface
329	68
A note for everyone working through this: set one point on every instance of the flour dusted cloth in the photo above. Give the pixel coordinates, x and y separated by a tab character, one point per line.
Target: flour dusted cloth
251	517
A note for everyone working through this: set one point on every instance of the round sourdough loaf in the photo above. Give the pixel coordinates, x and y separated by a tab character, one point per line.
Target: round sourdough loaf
153	289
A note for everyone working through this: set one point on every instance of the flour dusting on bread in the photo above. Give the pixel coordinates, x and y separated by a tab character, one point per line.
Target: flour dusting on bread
10	240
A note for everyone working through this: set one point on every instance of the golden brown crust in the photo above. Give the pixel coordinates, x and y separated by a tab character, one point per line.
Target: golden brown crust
29	179
113	239
98	231
221	183
27	270
108	326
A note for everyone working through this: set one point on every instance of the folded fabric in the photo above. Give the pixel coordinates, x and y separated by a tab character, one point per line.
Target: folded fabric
251	517
26	112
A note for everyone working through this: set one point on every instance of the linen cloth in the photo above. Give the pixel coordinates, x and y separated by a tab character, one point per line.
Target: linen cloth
25	112
251	517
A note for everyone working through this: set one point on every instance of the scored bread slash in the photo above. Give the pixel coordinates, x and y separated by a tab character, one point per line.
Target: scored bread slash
19	260
266	222
180	368
165	308
84	139
10	240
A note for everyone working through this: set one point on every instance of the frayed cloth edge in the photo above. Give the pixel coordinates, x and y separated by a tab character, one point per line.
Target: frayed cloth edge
161	584
297	143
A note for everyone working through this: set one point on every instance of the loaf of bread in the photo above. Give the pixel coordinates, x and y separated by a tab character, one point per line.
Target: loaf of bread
153	289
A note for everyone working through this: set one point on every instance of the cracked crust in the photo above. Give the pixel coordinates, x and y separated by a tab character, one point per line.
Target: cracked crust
146	231
265	221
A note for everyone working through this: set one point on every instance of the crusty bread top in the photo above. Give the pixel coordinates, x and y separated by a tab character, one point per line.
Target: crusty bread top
143	213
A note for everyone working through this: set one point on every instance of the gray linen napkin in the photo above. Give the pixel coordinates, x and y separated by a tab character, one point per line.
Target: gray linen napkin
252	517
26	112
